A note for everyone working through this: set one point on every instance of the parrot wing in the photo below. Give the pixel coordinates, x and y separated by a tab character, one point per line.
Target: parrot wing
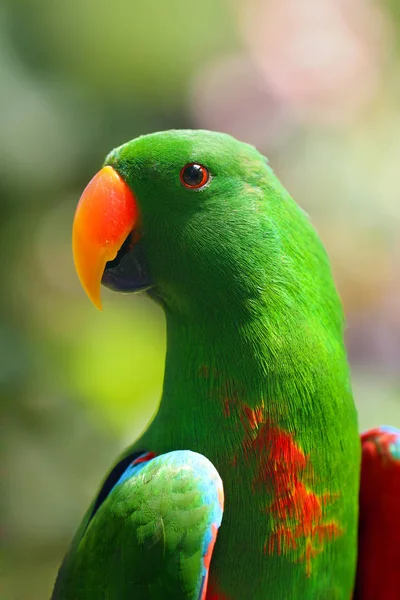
151	536
378	573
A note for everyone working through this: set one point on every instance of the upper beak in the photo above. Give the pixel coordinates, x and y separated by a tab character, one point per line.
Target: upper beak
107	212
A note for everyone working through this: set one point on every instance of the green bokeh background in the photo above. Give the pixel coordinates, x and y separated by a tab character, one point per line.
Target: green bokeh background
80	77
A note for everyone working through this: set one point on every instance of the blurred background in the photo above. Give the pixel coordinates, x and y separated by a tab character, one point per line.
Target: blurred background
315	84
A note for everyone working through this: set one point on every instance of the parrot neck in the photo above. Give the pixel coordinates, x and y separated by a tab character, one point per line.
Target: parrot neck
295	374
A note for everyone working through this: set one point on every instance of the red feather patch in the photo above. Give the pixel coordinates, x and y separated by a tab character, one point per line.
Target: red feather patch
300	529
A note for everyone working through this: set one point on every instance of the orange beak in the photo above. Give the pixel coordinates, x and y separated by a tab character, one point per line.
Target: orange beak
107	212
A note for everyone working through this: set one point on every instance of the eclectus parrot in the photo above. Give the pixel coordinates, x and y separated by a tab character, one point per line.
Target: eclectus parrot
246	484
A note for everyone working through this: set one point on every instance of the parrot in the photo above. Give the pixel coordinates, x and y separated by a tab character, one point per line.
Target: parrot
251	482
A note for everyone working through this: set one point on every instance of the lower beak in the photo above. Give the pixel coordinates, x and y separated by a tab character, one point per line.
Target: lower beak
106	214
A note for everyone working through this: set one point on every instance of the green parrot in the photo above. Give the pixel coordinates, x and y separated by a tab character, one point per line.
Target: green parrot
245	486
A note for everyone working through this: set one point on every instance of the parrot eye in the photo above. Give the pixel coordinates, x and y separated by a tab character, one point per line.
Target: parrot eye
194	176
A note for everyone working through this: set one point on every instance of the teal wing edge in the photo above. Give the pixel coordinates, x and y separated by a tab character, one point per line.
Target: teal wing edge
152	536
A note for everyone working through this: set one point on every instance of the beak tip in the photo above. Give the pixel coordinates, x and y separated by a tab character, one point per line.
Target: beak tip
98	305
94	297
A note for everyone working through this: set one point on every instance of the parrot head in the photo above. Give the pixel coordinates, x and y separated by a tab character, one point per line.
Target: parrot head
196	219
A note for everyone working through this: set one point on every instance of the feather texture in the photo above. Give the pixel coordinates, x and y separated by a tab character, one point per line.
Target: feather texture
152	537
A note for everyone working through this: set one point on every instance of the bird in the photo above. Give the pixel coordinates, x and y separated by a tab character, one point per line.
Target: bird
252	481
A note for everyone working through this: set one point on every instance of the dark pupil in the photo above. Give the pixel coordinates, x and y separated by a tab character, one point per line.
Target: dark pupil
193	175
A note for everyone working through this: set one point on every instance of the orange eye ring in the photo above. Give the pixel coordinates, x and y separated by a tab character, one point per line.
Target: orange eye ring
194	176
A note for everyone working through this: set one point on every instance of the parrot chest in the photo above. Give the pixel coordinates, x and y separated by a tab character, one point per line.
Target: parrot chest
288	531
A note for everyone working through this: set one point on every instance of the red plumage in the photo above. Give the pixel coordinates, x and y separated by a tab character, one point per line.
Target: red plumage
378	571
